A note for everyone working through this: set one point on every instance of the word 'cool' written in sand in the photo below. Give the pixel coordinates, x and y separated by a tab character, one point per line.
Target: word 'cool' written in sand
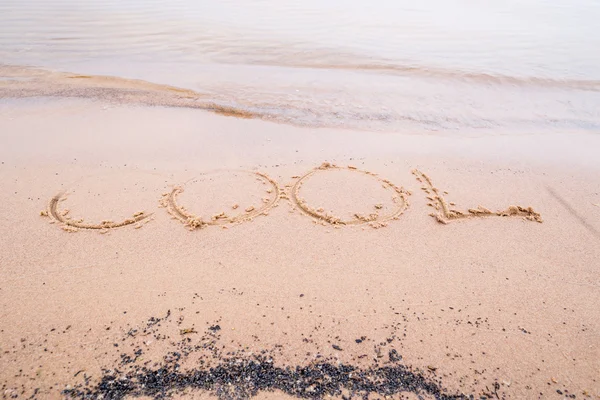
444	211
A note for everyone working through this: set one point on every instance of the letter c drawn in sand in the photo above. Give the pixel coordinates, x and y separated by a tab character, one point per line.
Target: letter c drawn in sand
70	225
192	222
400	199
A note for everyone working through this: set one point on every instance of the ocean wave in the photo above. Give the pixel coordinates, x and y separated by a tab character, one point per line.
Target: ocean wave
459	75
430	112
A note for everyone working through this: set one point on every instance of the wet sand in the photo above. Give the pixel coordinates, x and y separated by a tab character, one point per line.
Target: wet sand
143	246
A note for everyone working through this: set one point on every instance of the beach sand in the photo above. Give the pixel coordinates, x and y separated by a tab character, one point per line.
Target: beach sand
236	260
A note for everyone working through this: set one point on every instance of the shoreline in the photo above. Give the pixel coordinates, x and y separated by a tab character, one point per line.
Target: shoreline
486	305
364	110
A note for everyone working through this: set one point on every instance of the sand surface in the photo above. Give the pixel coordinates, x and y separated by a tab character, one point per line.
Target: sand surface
489	305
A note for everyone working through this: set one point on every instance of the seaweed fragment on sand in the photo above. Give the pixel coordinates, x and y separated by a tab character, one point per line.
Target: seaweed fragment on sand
241	374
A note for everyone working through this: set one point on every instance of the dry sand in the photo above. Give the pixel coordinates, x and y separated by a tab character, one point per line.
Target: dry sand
490	305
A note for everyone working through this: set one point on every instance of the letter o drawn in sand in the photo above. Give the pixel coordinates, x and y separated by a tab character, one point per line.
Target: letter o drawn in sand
71	225
400	199
192	221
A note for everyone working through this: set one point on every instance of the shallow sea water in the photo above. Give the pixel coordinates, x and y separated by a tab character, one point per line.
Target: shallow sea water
445	66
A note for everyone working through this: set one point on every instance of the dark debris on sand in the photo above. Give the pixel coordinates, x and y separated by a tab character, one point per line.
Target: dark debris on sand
237	375
242	378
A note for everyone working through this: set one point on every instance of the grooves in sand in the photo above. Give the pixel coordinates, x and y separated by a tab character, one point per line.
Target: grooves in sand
377	218
445	214
193	221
